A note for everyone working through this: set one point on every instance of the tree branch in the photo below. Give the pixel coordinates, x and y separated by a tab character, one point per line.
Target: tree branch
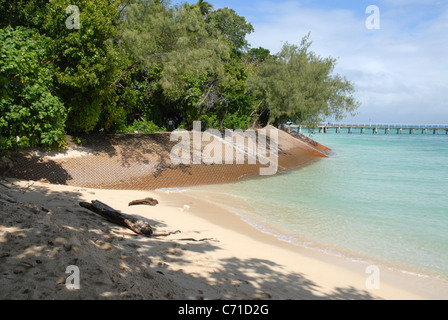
125	72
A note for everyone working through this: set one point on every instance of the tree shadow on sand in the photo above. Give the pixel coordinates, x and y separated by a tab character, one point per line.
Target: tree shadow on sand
48	231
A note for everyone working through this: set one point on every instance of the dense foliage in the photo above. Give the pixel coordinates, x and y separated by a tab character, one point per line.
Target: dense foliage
80	66
31	113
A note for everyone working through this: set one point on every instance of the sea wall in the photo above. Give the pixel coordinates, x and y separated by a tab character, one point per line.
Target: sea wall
143	161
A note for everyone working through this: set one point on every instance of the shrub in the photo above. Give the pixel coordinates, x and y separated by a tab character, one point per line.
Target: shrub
31	115
143	126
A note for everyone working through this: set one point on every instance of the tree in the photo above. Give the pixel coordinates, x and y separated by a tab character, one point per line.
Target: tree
204	7
31	114
85	59
298	85
25	13
176	53
258	55
233	27
148	60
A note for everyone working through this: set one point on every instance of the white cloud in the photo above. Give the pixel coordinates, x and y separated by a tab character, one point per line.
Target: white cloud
400	71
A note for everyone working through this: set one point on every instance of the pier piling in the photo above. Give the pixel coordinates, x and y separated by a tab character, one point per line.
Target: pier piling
323	128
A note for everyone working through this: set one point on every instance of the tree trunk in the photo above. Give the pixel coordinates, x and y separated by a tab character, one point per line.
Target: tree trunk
222	121
121	219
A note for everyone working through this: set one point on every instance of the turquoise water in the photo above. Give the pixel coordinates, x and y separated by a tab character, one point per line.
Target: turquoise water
377	198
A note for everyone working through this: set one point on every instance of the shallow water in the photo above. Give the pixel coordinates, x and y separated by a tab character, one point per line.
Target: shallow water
380	198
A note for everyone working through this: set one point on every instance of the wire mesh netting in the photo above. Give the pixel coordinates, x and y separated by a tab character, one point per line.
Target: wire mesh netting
131	162
143	161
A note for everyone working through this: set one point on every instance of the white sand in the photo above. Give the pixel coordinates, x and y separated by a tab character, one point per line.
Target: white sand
46	230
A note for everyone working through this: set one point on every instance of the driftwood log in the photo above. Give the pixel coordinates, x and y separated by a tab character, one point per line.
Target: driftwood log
148	202
124	220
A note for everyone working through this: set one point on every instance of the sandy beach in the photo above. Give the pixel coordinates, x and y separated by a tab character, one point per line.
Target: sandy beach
200	251
215	255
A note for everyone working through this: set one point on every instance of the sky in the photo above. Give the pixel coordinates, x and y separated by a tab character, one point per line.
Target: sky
399	68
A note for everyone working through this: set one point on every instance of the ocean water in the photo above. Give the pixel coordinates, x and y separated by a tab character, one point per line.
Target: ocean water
377	198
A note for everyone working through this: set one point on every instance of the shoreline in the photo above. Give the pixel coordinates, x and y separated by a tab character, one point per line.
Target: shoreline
248	215
327	252
217	255
395	284
224	258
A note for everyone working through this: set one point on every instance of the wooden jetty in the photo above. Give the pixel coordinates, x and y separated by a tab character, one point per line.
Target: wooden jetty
376	128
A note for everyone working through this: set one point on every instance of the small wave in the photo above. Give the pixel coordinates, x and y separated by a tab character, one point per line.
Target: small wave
171	190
